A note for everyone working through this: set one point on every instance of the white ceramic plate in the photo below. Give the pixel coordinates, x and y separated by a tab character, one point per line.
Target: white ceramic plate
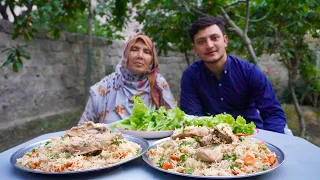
156	134
147	134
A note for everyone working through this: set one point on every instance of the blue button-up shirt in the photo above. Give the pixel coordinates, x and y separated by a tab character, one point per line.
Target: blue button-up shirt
241	90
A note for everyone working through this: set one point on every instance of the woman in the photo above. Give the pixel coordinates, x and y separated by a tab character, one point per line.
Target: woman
137	74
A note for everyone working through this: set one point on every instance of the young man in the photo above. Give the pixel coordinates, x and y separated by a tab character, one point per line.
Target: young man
221	83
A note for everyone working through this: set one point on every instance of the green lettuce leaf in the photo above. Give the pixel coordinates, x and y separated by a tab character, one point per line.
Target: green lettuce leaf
144	119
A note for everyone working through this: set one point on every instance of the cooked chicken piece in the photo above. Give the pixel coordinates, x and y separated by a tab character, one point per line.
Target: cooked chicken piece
216	139
89	138
221	134
190	131
91	143
209	154
87	128
224	133
206	140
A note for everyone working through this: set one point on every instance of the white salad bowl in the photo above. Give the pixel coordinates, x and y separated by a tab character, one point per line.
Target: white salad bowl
147	134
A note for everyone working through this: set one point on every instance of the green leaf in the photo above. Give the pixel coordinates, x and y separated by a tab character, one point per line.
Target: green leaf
15	67
19	63
160	161
46	7
189	171
63	137
233	166
33	30
116	142
48	142
6	63
6	49
229	156
20	22
185	143
26	37
15	35
183	157
27	56
17	52
68	155
139	108
241	138
197	139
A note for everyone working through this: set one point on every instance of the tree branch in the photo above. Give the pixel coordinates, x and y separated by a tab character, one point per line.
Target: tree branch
235	3
187	58
264	17
234	27
246	26
195	10
256	20
13	13
301	17
185	4
243	36
3	11
297	58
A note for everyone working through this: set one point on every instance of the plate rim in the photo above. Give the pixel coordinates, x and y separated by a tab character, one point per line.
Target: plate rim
256	131
148	134
144	131
145	159
13	160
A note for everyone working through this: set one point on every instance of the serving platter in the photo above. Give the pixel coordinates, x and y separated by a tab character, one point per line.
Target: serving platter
18	154
280	157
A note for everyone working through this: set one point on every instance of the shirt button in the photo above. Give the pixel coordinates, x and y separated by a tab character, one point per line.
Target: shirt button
225	72
221	99
219	84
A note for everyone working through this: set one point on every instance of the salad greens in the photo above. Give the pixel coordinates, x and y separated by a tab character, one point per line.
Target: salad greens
238	125
144	119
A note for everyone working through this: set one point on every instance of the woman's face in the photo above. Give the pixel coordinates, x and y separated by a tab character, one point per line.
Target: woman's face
139	57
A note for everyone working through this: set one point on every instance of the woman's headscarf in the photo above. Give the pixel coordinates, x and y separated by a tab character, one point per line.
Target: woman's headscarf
110	98
155	90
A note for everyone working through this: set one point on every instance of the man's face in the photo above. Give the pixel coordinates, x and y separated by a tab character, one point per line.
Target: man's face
139	57
210	44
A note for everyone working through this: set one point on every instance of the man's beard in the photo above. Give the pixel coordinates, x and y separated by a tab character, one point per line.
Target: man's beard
214	61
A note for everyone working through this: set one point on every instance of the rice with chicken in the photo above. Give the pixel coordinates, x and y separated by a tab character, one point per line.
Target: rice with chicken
83	147
212	152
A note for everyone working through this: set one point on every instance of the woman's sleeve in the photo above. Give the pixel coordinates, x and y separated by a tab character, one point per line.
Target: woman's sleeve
166	92
171	100
90	111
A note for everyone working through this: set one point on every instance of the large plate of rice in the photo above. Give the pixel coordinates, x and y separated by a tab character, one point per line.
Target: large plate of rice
56	156
210	154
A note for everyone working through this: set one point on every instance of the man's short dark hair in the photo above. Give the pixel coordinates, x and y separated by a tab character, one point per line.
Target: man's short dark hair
204	22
